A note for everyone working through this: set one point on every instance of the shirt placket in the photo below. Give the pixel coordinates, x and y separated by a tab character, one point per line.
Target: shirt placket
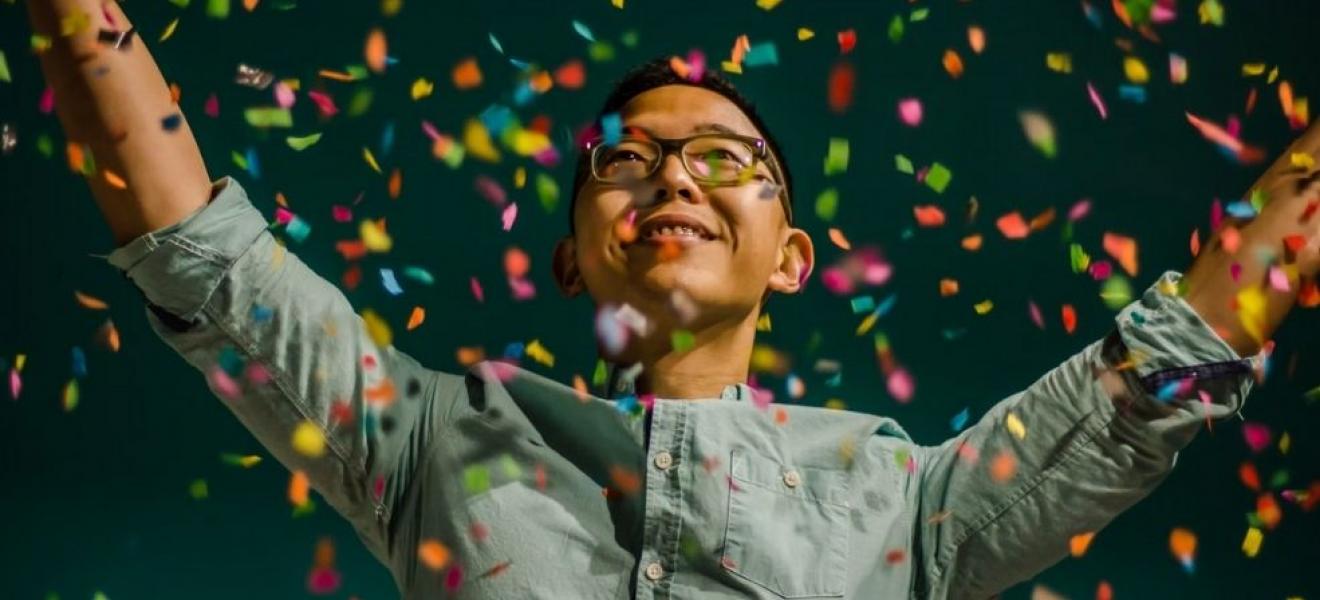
665	463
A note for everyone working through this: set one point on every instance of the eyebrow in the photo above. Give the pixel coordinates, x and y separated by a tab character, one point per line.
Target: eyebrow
705	127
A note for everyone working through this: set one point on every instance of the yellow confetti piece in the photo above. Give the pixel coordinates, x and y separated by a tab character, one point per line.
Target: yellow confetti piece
299	487
433	554
1135	70
540	354
1302	160
89	302
1078	544
416	318
763	322
1059	62
371	161
69	399
377	329
1251	543
1285	443
390	8
767	4
422	88
249	461
74	23
478	141
804	34
1015	426
169	30
867	323
617	4
1253	69
308	440
731	67
984	307
19	362
1251	311
520	178
374	236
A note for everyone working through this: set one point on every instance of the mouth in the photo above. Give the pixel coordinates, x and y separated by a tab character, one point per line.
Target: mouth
672	228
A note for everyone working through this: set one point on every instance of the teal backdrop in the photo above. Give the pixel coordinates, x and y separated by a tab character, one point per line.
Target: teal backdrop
104	498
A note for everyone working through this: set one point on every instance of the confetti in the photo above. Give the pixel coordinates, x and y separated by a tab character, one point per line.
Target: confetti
909	111
467	74
308	439
1182	544
1040	131
433	554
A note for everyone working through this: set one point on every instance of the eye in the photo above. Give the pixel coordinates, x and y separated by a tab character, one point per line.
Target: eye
625	155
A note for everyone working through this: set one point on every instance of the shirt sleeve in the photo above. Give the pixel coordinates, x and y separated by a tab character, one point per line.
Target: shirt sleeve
284	350
999	502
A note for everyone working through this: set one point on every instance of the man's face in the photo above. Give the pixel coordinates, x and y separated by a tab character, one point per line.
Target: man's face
742	247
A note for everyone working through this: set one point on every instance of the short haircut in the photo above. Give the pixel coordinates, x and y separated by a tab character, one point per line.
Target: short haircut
658	73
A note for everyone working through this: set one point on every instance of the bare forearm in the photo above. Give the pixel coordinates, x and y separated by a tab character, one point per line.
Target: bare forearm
115	102
1226	302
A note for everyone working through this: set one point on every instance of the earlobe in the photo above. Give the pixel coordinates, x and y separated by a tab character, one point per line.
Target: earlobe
567	275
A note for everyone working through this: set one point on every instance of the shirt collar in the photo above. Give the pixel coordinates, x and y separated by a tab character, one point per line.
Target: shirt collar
621	382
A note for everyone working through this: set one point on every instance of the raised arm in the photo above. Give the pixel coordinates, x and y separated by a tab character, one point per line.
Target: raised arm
328	396
1000	502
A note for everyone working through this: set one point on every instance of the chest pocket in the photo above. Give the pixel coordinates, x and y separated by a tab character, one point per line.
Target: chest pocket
787	527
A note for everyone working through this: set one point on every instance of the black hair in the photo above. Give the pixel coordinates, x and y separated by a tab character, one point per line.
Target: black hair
656	73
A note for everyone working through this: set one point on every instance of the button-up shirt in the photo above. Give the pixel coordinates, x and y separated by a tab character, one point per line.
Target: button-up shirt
500	483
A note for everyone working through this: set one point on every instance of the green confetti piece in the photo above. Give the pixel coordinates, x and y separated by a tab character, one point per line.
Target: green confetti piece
239	160
896	29
476	479
45	146
1116	292
682	340
601	373
305	509
217	9
764	53
197	489
919	14
547	191
300	143
903	164
1259	198
601	51
1078	258
4	68
180	3
629	38
99	595
862	304
1279	479
836	159
360	103
419	275
938	177
827	204
510	467
268	116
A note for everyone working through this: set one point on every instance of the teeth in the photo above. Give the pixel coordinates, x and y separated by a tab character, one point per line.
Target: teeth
675	230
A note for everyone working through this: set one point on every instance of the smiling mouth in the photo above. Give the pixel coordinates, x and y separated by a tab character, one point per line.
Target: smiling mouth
664	230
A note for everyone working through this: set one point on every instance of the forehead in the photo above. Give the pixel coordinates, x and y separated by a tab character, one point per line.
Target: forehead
673	111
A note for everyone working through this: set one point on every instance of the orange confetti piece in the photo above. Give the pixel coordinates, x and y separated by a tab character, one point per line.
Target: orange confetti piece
976	38
1078	544
90	302
516	262
1230	238
1196	241
928	215
110	336
468	356
415	319
571	76
1012	226
396	184
838	238
467	74
972	243
250	5
114	179
335	75
625	480
1003	467
1268	510
1249	476
948	287
299	486
953	63
433	554
175	93
1123	249
74	152
1182	543
375	51
1069	315
1042	220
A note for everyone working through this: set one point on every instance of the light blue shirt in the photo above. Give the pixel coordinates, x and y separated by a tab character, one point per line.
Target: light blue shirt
538	491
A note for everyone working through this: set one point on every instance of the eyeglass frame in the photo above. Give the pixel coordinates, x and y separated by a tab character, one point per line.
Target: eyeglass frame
761	152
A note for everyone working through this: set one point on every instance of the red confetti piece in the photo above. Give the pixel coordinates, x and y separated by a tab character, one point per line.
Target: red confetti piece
843	79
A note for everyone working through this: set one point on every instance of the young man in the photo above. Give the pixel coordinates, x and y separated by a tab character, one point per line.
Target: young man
681	219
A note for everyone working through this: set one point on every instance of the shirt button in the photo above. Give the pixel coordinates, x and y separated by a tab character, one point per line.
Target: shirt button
664	460
654	571
792	478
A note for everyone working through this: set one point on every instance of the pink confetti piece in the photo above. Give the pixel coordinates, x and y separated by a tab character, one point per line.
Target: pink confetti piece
453	579
762	398
1095	99
212	106
1079	210
509	215
491	190
1257	436
430	130
1036	317
523	289
900	385
909	111
323	581
1279	280
284	95
477	292
282	215
257	373
15	384
223	384
46	103
324	103
1101	270
341	214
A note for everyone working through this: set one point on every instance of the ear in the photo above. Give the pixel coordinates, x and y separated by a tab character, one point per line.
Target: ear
567	275
797	256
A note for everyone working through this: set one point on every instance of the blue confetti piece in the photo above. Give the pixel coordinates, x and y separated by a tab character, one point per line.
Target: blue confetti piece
761	54
230	361
387	139
514	350
611	128
836	380
583	31
523	94
1132	93
496	118
625	405
1169	390
886	305
79	362
419	275
519	64
253	165
1241	209
496	43
297	229
861	304
262	314
388	280
960	420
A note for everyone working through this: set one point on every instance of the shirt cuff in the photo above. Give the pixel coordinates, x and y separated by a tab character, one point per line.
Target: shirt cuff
1168	340
179	266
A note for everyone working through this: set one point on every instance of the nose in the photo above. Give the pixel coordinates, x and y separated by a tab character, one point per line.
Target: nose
673	181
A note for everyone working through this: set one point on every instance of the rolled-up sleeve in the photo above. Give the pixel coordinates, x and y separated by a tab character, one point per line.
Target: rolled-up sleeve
286	352
999	502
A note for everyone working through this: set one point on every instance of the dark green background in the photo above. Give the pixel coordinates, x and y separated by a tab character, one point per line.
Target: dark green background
97	499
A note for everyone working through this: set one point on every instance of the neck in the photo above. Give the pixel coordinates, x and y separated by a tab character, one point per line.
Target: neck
718	357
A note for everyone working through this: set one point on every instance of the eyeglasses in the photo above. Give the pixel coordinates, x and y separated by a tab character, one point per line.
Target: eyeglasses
717	159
